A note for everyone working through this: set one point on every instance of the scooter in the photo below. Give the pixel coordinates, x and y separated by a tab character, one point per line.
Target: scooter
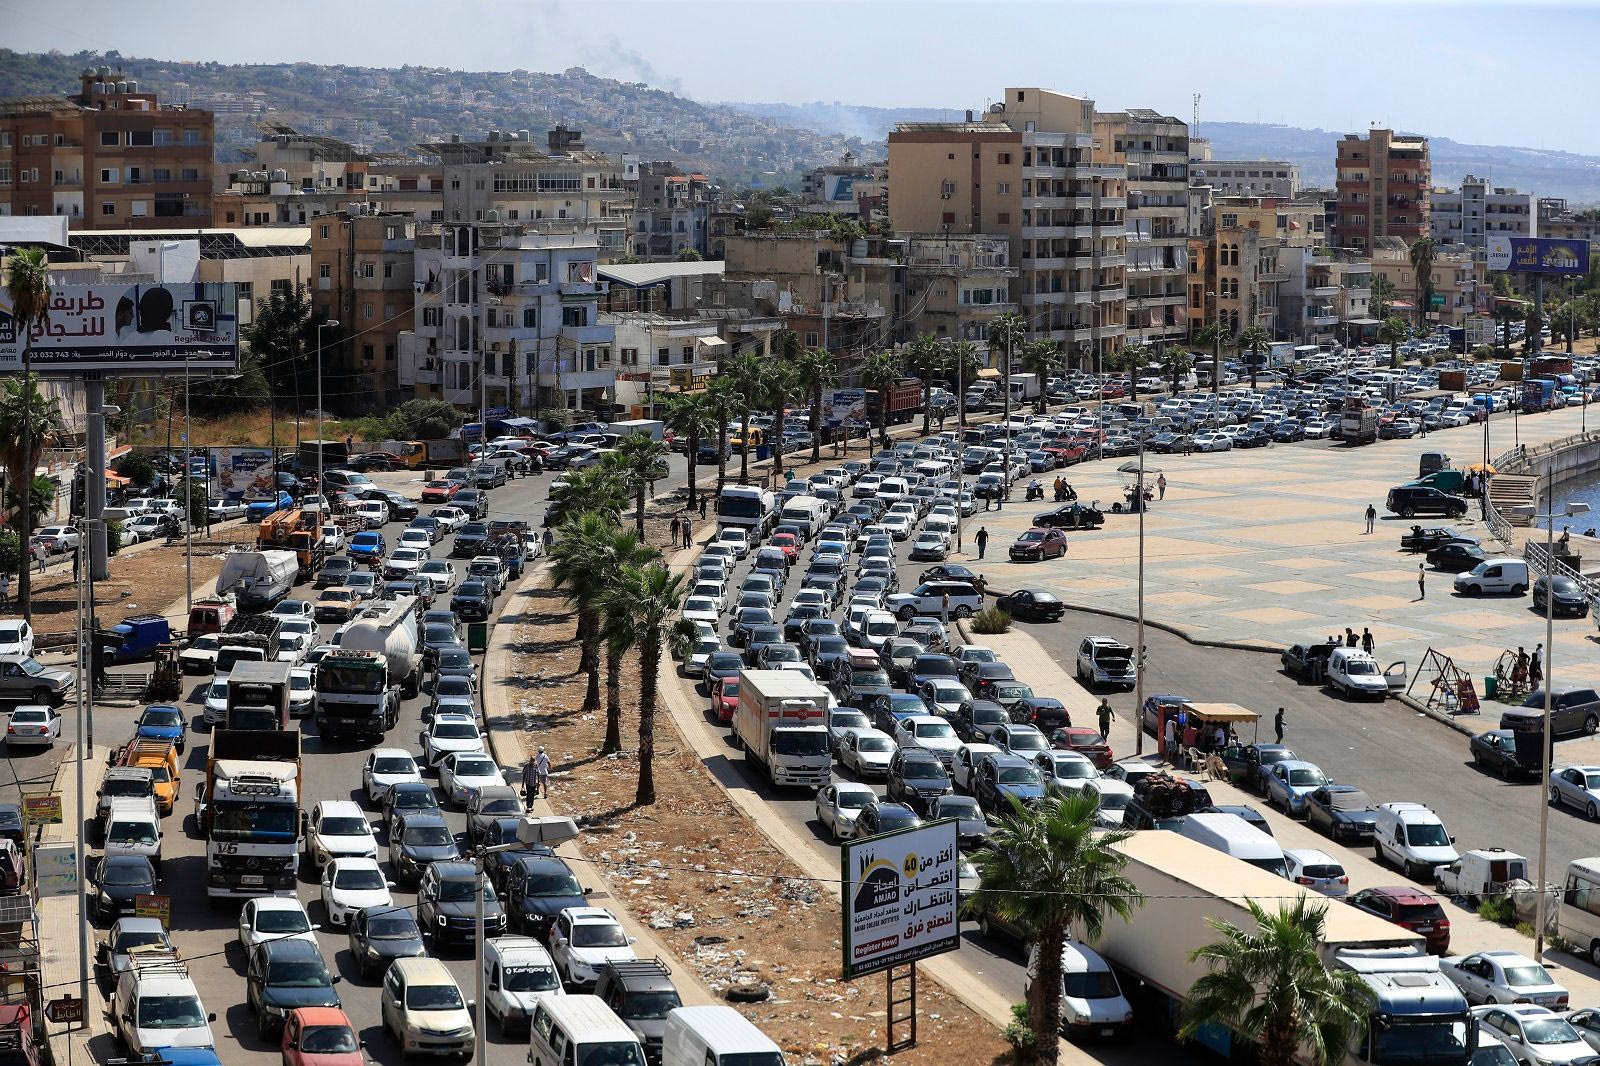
1035	491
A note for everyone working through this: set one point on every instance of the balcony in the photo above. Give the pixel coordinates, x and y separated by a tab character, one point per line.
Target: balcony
1324	291
1270	276
1053	262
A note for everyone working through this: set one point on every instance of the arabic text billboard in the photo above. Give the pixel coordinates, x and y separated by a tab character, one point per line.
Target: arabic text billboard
129	329
1538	255
899	897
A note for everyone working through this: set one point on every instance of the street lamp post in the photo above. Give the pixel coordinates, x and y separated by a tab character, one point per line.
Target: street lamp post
1138	651
320	327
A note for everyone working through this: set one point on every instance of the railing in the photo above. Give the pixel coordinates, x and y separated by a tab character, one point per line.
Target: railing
1538	558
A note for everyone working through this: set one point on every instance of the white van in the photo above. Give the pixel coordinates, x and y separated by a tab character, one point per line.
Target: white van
1413	838
1494	576
1092	1003
1579	916
133	827
1355	674
807	512
715	1036
1232	835
568	1029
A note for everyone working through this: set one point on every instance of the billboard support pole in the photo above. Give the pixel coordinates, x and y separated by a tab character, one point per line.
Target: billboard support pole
94	489
1537	340
901	991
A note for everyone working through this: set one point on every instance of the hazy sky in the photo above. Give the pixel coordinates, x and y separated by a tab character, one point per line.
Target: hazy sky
1500	73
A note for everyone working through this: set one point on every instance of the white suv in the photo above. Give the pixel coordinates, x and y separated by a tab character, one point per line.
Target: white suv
158	1006
1106	661
929	598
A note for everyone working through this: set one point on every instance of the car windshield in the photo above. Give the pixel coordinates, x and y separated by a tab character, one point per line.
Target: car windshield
959	807
1427	835
434	997
455	731
799	742
294	973
531	978
453	891
847	720
427	836
598	935
1074	769
1526	976
1018	775
1027	742
393	928
346	827
1549	1031
877	744
139	938
1113	801
125	874
328	1040
474	768
1307	778
164	716
132	833
282	921
360	879
922	770
650	1005
170	1012
1098	984
1358	667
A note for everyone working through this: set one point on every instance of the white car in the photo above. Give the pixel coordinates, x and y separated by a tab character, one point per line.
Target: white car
350	884
866	752
709	590
264	918
928	731
385	768
295	609
1318	871
338	829
302	691
1066	770
701	609
736	539
333	538
417	538
292	648
59	539
216	701
1504	977
451	518
200	657
1114	796
33	725
449	734
898	525
583	940
404	562
16	637
518	973
374	514
945	695
1536	1035
1212	442
441	572
1091	999
838	805
1577	787
463	773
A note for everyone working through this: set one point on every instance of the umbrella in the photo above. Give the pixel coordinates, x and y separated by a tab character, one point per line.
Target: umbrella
1482	468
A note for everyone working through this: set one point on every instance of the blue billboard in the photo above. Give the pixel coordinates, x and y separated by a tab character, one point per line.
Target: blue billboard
1538	255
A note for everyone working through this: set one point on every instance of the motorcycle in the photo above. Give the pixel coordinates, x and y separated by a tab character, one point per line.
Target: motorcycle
1035	491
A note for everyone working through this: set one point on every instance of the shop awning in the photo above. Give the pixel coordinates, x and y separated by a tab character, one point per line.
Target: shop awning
1362	322
1222	712
518	422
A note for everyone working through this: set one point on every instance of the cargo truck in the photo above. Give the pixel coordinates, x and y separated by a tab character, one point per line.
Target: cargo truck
904	400
248	811
247	638
650	427
258	579
780	723
1538	394
258	697
1358	421
1419	1017
378	663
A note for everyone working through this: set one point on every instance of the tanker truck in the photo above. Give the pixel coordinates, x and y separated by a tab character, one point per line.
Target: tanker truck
377	664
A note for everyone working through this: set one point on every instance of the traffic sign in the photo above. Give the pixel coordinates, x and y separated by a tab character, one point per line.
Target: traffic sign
42	810
154	907
64	1010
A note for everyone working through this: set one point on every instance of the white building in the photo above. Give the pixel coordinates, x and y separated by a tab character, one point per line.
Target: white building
1246	177
1469	214
657	353
507	316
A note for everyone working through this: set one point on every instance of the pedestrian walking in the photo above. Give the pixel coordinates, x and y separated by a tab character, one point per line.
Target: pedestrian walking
982	538
1372	517
688	531
1422	581
1161	486
77	562
1536	666
677	532
1105	714
5	590
1350	638
41	554
530	781
982	585
1367	643
702	507
1277	725
944	608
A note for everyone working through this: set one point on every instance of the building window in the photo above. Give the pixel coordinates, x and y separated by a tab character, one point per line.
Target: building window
141	138
366	312
139	208
192	137
1003	218
366	270
5	140
108	138
1002	188
949	218
108	209
326	231
530	318
1005	159
388	270
366	353
5	174
576	317
663	357
324	270
812	340
110	176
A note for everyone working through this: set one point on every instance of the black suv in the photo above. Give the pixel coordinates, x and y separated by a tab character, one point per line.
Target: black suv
917	778
640	993
1408	500
285	974
539	887
473	501
447	905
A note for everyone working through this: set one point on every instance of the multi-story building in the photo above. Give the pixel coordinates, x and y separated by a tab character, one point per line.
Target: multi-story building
1459	282
1383	181
1155	149
669	212
110	157
1557	221
834	296
507	317
363	265
660	353
1244	274
1247	177
957	285
1469	214
1327	297
843	185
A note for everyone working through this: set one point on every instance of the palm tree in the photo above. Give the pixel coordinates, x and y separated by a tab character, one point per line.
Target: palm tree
577	565
612	555
780	384
1211	335
1128	360
691	417
639	609
643	462
1392	332
1383	295
1269	985
818	370
1507	313
721	396
881	371
745	373
1050	871
1254	340
1007	334
965	362
594	489
926	357
1175	362
1422	254
1040	358
28	287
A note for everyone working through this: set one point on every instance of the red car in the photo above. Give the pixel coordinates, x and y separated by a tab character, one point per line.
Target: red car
1086	742
788	542
1066	454
1113	391
320	1036
440	491
1039	543
725	698
1410	908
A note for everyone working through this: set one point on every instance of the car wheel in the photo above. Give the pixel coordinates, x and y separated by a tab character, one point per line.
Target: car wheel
1591	812
42	696
1377	854
988	931
1517	590
963	611
1594	952
1590	725
1406	512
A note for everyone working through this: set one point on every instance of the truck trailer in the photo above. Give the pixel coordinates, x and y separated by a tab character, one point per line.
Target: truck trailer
780	724
258	579
258	697
377	664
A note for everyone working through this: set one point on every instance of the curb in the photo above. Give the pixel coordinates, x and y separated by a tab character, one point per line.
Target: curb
1166	627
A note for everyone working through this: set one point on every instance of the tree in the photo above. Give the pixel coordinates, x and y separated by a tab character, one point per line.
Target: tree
818	370
613	554
1007	333
28	287
138	469
640	609
721	396
1383	295
1211	335
1422	254
690	416
690	255
593	488
1051	871
1269	985
230	394
1128	360
881	371
745	373
1392	332
1175	362
965	362
780	385
641	461
577	566
1507	313
425	420
1254	340
1040	358
40	497
926	358
284	337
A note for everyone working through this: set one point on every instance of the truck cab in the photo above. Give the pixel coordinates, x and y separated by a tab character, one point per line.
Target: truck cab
138	638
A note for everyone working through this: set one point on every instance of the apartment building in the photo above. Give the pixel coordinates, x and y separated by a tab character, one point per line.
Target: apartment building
1459	282
507	316
1383	181
844	184
837	296
670	211
363	263
1244	275
1469	214
658	354
957	285
1327	297
109	157
1558	221
1155	150
1247	177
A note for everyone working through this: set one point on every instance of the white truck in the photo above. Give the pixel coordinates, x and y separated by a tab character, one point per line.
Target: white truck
258	579
781	723
248	810
1419	1015
1024	387
650	427
378	663
749	506
1481	872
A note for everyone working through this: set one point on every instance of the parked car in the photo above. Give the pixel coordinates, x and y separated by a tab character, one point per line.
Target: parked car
1496	750
1032	605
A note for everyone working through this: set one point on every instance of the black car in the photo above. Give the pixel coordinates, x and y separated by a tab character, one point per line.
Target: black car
722	664
400	508
1408	500
1456	557
284	974
883	817
447	904
116	882
976	721
421	591
974	673
1567	599
406	799
472	601
917	778
1071	516
539	887
759	637
473	501
1252	438
1032	604
1342	811
418	840
471	539
888	710
1288	432
794	623
949	572
1418	539
1247	763
379	935
1043	712
1496	750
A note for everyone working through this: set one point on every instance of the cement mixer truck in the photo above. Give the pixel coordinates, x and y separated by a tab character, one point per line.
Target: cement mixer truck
377	664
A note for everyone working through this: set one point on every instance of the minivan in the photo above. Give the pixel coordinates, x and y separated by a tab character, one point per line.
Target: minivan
715	1036
1232	835
568	1029
1356	674
1412	837
1494	576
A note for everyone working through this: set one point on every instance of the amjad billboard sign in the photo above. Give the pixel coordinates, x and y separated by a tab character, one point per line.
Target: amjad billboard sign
1538	255
127	329
900	897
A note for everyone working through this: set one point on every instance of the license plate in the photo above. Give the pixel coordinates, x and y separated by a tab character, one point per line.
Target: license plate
250	879
1107	1032
1424	929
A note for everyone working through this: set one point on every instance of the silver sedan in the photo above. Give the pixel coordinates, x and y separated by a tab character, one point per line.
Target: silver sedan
1578	787
839	804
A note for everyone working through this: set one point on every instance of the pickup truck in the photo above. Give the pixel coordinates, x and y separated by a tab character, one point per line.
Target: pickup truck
1307	662
1481	872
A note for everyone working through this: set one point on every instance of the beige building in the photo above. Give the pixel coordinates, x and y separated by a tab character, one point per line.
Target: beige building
958	285
1460	285
364	278
1383	182
1155	149
1245	277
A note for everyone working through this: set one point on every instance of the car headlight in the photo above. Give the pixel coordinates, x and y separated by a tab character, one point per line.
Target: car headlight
273	1010
372	952
443	921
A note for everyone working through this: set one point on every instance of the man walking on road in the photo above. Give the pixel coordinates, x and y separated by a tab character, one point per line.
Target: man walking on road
982	538
1277	725
1422	582
1372	517
1161	486
1106	714
1367	643
5	590
677	532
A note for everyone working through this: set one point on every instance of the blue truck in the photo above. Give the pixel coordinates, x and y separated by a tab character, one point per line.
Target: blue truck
138	638
1538	394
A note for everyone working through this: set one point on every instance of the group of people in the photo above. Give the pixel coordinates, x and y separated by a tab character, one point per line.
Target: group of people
1528	670
682	531
1351	639
1182	733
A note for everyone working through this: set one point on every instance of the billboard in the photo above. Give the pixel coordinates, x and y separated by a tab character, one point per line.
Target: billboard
1538	255
844	406
899	897
128	329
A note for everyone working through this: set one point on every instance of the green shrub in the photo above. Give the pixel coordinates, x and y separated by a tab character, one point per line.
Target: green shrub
1019	1034
1497	909
991	620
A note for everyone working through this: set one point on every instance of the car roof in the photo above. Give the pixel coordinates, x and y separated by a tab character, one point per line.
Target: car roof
278	903
452	869
580	915
1002	759
290	947
1402	894
348	807
421	969
1307	856
452	717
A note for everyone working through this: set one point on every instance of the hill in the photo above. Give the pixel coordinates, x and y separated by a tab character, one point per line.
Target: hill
387	110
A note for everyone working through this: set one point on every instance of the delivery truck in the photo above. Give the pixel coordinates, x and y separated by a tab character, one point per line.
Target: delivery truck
258	696
780	723
1418	1015
258	579
1358	421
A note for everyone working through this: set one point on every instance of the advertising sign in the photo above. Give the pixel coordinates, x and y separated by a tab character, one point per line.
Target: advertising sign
55	869
1538	255
899	897
42	810
154	907
844	405
131	329
1480	330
